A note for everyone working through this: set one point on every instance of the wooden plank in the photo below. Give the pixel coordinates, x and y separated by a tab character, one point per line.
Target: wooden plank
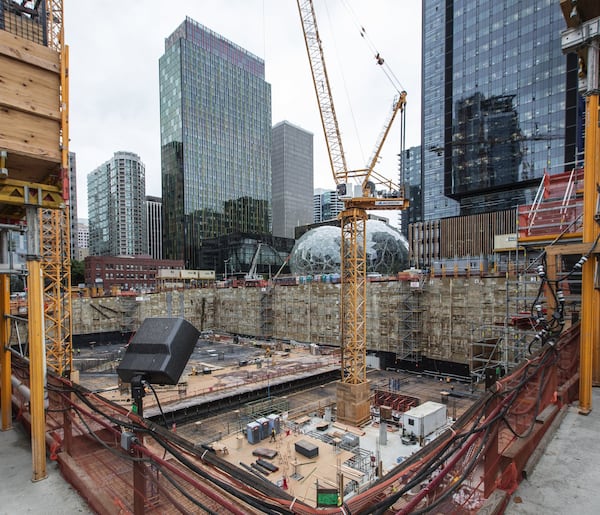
29	135
28	88
28	52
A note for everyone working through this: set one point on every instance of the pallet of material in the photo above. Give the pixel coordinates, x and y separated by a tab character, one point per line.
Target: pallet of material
264	452
267	464
307	449
260	468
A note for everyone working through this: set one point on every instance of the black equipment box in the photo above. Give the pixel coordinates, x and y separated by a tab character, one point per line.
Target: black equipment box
159	351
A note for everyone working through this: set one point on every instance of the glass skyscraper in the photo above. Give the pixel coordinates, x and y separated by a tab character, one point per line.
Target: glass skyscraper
411	177
116	198
292	168
215	119
500	104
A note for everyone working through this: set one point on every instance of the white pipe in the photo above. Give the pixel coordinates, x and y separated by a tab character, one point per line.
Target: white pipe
25	392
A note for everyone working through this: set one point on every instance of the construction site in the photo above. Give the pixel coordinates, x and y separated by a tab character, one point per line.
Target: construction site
422	392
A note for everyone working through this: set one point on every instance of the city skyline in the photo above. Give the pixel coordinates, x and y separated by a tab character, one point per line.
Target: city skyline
114	103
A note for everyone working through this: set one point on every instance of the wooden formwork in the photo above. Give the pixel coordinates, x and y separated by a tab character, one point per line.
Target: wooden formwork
30	118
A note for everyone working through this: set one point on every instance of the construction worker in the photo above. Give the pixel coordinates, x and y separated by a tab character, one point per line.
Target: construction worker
273	434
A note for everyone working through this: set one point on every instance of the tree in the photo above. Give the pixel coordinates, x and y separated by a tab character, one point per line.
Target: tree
77	272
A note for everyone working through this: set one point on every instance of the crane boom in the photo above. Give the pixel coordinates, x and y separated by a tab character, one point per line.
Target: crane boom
333	138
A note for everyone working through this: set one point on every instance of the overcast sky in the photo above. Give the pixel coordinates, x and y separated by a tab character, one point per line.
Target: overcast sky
115	45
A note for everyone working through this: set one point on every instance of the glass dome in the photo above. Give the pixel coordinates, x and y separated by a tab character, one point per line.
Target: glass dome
318	250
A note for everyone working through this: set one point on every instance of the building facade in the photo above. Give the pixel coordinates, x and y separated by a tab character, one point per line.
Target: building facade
73	204
116	196
410	177
215	119
292	178
500	106
326	205
154	225
125	273
83	239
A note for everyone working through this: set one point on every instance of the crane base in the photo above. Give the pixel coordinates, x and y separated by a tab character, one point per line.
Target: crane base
352	402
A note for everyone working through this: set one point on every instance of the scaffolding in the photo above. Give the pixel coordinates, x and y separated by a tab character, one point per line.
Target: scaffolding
266	313
504	346
410	320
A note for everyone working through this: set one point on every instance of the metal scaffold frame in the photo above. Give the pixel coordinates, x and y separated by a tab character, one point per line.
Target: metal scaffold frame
410	333
56	270
353	310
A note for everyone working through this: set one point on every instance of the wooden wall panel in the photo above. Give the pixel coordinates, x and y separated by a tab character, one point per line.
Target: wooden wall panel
29	52
29	135
29	109
29	88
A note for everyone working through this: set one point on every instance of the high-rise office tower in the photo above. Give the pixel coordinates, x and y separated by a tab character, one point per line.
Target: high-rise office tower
116	195
410	161
73	204
326	205
215	119
83	239
500	105
292	186
154	225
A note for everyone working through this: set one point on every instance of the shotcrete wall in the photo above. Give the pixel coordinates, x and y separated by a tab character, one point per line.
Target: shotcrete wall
449	311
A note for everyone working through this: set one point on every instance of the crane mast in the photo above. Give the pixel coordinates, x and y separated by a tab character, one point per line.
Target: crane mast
353	391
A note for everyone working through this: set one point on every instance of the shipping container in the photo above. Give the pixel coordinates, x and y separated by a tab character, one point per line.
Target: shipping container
423	420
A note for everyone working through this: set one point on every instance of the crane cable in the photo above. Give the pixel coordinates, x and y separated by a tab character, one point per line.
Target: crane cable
344	82
394	81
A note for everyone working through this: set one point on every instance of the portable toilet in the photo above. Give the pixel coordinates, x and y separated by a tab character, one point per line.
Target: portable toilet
264	425
253	432
274	423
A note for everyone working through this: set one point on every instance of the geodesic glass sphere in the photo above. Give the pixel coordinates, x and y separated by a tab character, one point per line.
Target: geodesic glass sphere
318	250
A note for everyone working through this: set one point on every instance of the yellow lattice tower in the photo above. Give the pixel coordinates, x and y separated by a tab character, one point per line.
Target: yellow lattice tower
55	225
56	270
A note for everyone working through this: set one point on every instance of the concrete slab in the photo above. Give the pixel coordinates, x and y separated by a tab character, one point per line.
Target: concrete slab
51	496
566	480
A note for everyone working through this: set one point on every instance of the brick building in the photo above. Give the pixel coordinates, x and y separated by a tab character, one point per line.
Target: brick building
126	272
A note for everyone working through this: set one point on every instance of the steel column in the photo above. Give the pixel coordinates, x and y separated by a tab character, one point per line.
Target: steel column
5	361
37	369
590	295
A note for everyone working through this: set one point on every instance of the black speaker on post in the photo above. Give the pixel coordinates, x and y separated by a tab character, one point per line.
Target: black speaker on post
159	351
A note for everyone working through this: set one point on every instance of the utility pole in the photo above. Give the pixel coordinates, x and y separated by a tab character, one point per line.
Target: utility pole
583	37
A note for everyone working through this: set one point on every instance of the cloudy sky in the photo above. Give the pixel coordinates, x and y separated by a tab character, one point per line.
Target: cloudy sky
115	46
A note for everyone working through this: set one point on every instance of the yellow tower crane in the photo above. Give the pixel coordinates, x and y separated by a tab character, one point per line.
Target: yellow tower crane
374	192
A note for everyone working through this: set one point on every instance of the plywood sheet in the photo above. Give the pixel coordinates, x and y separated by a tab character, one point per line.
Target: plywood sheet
29	88
29	135
29	52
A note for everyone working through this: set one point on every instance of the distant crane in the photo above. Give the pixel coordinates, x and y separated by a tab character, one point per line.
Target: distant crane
375	192
252	275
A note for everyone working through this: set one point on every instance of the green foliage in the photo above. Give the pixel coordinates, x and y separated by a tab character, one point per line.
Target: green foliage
77	272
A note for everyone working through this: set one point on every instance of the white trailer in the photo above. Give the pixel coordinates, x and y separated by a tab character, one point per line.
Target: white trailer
423	420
